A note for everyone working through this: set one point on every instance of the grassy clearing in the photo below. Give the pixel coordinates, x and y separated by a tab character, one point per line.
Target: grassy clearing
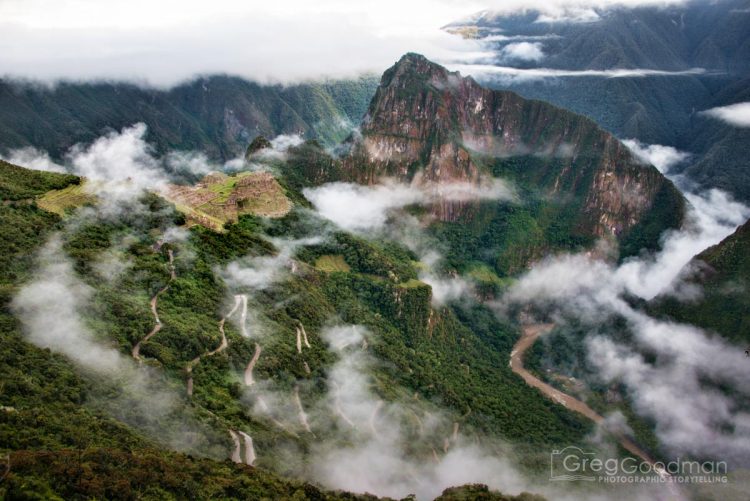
330	263
412	283
484	274
60	201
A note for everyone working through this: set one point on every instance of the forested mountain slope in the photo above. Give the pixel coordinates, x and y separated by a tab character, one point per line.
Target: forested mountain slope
218	115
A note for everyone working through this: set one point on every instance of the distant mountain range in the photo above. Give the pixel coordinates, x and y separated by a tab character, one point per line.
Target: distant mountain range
218	115
693	34
708	42
712	37
152	282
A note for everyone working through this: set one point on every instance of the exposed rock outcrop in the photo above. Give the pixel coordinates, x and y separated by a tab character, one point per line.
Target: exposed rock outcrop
429	125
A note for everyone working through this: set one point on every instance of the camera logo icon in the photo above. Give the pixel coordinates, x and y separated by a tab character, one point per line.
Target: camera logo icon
570	464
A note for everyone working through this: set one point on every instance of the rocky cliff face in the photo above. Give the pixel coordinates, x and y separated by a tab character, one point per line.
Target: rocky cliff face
428	124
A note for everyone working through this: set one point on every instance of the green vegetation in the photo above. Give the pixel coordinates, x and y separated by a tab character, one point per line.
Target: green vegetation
58	431
478	492
561	354
218	115
453	356
724	279
17	183
71	197
506	237
332	263
66	430
103	473
450	357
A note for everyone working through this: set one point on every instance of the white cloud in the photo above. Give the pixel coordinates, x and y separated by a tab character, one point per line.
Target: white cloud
679	387
121	159
190	162
522	51
51	308
33	159
510	38
279	146
256	273
291	40
123	164
713	216
660	156
357	207
569	15
737	114
560	10
372	450
692	416
447	289
510	74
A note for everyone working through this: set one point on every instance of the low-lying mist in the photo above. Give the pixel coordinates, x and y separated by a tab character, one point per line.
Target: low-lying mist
359	440
691	383
51	308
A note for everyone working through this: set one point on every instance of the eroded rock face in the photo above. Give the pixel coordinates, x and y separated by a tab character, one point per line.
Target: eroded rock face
427	122
412	124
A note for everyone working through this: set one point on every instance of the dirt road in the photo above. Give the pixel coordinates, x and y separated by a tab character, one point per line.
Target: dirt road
157	325
301	414
222	346
236	451
249	449
530	334
249	381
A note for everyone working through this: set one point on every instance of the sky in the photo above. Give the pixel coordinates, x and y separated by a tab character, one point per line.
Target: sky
166	42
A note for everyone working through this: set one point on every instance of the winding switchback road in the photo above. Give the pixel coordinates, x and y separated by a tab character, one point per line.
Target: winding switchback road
222	346
249	381
249	449
157	325
236	452
304	335
301	411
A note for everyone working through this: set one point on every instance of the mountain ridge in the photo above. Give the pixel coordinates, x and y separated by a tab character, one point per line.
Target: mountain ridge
721	274
218	115
432	125
656	109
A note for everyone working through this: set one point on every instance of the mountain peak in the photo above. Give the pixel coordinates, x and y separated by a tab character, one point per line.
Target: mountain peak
413	67
434	125
413	57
